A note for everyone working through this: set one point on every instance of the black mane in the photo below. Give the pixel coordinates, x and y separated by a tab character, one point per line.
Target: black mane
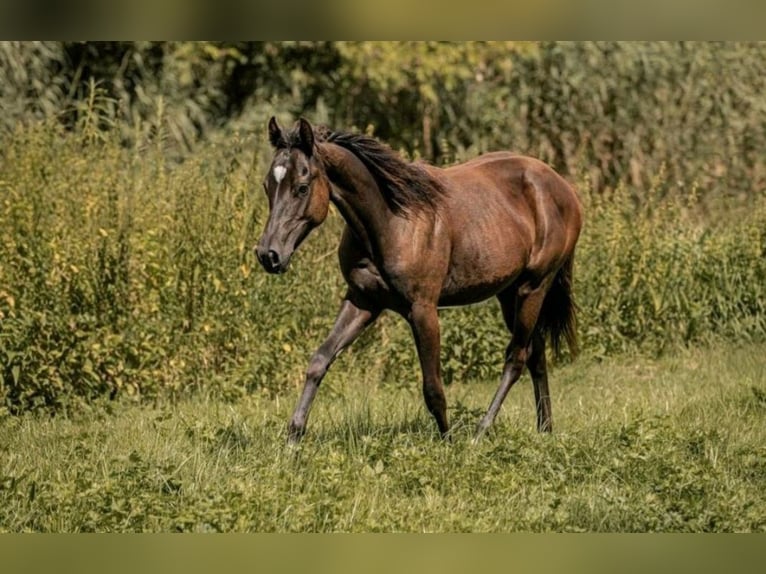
405	186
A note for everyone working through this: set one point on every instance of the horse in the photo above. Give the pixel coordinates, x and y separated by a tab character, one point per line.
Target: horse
419	237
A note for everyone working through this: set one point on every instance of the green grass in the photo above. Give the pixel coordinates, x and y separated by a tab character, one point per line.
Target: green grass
671	444
127	271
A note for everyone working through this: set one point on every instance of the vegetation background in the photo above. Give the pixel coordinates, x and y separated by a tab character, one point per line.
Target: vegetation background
130	199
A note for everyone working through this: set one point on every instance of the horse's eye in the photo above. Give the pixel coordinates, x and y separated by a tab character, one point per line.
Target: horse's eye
302	189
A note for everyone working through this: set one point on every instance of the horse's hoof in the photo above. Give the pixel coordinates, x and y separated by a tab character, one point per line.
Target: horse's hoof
480	432
294	435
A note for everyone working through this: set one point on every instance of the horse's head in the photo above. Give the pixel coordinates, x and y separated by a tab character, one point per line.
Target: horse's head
298	191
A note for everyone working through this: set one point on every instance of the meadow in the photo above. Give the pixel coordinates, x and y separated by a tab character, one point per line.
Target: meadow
149	365
673	445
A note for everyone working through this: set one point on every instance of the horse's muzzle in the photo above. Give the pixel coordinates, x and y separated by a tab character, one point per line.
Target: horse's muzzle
271	261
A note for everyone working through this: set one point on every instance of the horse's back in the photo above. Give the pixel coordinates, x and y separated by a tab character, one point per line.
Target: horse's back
508	214
511	172
520	189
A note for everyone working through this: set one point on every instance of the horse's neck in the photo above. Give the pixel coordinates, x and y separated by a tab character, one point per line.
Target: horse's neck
356	195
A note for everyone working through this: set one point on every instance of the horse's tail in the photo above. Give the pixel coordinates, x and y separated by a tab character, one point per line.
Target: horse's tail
558	316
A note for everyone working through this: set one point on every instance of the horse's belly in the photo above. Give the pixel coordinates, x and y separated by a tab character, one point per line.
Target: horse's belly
477	273
473	293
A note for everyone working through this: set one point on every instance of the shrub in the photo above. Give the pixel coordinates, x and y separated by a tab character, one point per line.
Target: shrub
125	272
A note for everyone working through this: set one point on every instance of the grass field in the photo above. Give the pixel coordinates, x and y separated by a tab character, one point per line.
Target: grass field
672	444
148	365
126	274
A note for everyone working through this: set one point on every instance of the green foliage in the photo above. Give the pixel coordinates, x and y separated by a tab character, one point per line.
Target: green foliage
125	272
30	85
624	111
110	260
126	262
664	273
130	199
618	111
436	88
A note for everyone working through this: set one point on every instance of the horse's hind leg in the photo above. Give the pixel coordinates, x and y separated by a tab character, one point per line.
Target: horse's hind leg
520	311
537	366
349	324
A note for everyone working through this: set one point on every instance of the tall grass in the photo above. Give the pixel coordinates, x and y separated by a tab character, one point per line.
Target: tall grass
661	270
123	271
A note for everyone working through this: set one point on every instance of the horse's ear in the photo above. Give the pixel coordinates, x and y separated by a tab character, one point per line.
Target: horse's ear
276	135
306	137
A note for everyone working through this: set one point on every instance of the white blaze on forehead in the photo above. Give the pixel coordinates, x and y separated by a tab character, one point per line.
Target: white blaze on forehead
279	173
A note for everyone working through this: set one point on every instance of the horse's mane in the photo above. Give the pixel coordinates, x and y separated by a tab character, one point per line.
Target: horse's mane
405	186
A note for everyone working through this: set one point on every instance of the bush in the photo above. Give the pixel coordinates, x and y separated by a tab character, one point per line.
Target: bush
664	274
624	111
620	111
125	272
130	184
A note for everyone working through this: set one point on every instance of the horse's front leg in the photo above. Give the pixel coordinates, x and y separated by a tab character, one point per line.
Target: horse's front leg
424	321
352	319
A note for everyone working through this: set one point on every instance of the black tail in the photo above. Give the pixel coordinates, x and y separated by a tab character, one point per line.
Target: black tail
558	315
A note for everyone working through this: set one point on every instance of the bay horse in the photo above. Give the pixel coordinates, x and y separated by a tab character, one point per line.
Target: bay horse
419	237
